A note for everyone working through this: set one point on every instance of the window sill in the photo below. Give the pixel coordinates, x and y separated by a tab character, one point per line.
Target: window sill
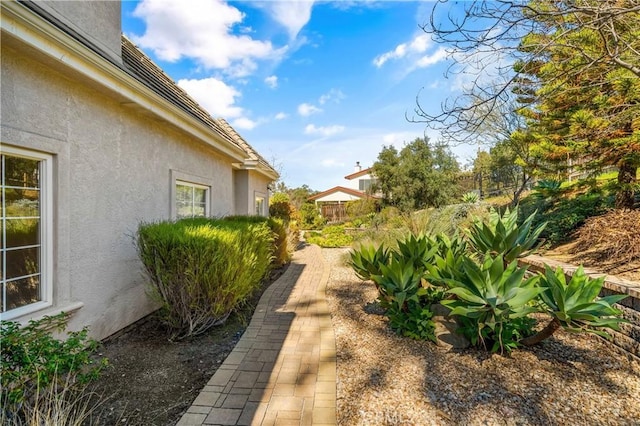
38	311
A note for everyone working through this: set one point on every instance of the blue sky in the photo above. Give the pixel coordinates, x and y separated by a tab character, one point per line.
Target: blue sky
313	86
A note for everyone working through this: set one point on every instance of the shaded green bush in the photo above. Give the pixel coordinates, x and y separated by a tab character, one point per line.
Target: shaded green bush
282	249
564	215
361	208
32	359
201	269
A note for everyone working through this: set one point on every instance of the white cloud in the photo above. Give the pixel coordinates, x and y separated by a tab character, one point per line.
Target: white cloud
271	81
334	95
293	15
281	116
244	123
322	130
203	31
215	96
435	57
413	51
306	110
219	99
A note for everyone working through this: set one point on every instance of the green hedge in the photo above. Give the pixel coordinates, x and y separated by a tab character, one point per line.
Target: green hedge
281	246
201	269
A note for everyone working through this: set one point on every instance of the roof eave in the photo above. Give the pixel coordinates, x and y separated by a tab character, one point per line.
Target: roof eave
61	49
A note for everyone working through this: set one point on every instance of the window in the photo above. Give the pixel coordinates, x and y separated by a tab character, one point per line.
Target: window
25	211
191	200
365	184
259	206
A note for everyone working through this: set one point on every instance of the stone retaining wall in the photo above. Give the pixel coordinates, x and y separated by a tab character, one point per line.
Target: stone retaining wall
628	338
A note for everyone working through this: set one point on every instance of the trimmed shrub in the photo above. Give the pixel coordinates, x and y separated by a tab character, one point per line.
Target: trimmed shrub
282	250
282	247
201	269
280	206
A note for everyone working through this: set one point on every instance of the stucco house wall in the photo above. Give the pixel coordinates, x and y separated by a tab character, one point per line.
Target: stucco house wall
114	168
355	183
97	20
115	161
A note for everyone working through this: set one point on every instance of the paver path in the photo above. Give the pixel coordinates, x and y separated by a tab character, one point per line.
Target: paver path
283	369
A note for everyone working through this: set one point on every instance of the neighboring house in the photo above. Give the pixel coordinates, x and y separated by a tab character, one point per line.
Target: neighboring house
95	138
332	202
361	179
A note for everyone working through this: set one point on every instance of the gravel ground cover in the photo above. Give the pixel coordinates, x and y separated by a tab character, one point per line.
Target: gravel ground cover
386	379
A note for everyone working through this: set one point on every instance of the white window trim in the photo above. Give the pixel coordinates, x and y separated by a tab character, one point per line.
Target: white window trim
182	178
46	232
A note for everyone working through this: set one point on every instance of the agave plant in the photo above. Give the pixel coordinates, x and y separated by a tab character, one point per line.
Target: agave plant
470	197
418	250
574	305
456	245
398	283
548	188
405	299
502	235
366	261
494	299
444	267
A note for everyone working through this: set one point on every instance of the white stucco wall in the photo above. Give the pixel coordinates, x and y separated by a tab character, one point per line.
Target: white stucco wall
248	185
112	169
355	183
97	20
258	188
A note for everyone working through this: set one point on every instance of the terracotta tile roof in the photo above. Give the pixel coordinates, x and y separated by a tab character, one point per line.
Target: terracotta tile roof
253	154
335	189
358	174
147	72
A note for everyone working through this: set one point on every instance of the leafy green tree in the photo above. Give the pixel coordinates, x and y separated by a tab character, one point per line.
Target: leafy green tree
419	176
577	70
590	117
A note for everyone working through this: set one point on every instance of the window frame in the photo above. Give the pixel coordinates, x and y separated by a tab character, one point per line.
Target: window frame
262	201
181	178
46	234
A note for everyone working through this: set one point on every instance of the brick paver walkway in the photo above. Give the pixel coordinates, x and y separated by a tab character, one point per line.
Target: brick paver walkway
283	369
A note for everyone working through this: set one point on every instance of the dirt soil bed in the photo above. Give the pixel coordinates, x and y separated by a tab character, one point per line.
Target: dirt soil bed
609	243
151	381
385	379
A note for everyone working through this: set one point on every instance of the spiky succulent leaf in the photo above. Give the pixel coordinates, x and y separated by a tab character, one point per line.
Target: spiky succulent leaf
501	234
575	304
